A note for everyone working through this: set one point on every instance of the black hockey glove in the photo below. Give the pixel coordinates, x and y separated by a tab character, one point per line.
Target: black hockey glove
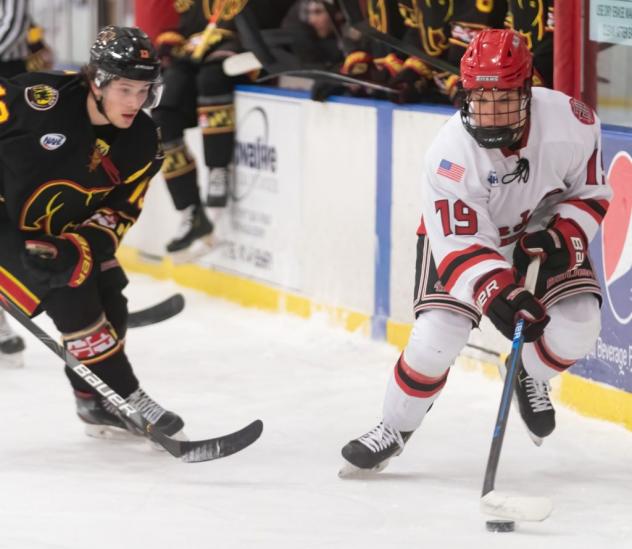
504	302
563	246
58	261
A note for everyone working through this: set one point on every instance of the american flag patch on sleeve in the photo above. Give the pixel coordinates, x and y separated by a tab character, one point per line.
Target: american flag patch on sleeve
451	170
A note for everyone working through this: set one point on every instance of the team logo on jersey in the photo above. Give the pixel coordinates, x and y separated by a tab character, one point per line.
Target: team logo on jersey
100	150
51	207
52	141
582	112
492	178
41	97
616	239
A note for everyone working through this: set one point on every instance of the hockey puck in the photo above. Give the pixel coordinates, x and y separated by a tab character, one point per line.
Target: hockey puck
500	525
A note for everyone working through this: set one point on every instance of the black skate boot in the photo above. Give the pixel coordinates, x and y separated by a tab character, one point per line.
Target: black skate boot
103	420
219	180
372	451
534	404
165	421
195	228
11	345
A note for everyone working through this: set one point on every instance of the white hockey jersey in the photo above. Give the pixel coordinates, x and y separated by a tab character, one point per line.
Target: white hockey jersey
478	202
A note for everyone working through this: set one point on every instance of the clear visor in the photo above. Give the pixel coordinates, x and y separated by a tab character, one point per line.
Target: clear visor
154	93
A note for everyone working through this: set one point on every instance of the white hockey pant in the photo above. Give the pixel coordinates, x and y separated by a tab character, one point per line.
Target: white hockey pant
438	336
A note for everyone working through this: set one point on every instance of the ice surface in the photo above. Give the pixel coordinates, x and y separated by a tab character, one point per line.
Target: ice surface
315	387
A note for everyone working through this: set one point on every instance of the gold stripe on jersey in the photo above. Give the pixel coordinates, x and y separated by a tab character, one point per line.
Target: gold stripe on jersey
178	161
136	175
138	194
18	292
217	119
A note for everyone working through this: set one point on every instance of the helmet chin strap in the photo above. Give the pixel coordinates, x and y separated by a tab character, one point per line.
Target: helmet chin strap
100	107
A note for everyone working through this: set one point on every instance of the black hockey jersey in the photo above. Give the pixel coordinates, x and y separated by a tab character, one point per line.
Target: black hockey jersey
59	173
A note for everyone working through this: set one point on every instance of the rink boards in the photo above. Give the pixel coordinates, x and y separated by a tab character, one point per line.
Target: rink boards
323	219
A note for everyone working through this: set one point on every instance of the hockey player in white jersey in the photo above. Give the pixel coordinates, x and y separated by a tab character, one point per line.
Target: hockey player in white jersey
516	173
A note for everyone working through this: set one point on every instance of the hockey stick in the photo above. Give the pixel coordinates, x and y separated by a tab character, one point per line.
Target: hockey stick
279	62
190	451
156	313
494	502
202	45
333	77
242	63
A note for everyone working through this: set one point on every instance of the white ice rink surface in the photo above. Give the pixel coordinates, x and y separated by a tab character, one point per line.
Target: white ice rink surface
315	387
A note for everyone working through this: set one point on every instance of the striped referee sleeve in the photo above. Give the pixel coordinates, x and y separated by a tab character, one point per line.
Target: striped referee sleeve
14	24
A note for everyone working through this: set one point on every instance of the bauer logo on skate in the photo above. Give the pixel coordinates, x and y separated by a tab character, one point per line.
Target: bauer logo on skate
617	239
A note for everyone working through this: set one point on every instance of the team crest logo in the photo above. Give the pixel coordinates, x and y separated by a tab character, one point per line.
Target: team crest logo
41	97
52	141
101	149
492	178
582	112
616	239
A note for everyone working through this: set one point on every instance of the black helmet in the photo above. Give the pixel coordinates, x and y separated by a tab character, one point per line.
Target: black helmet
125	52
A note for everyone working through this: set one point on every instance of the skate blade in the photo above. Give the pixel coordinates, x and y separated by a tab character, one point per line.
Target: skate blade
13	361
348	470
108	432
199	248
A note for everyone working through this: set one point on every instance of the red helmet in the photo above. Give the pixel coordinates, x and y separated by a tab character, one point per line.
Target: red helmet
498	64
496	58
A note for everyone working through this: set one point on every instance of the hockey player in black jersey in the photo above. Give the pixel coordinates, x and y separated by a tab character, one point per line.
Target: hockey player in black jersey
198	93
76	156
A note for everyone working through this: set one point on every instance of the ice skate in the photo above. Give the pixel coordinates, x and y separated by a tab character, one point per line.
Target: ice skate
102	419
194	237
531	397
11	345
372	452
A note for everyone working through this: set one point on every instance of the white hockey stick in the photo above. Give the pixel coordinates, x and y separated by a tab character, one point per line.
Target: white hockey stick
498	503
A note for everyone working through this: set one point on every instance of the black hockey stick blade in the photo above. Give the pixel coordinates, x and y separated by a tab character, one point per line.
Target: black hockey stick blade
213	448
156	313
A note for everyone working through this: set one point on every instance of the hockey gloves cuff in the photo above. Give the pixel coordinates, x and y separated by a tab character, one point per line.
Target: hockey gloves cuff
562	246
58	261
504	302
